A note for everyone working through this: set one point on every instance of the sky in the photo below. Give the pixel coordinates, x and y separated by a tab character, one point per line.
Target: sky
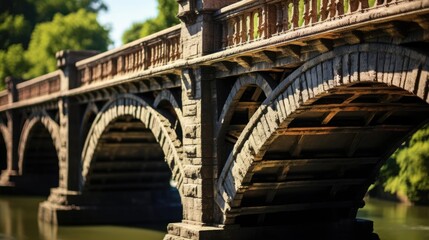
122	13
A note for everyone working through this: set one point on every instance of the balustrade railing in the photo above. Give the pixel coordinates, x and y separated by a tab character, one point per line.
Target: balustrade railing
155	50
251	20
40	86
4	98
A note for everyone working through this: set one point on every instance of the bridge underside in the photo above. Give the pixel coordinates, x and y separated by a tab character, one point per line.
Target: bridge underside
318	167
39	170
128	182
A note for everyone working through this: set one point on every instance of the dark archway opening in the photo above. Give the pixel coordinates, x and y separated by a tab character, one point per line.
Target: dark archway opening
320	166
40	167
249	100
129	177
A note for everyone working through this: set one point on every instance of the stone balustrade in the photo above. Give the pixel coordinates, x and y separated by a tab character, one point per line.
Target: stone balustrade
40	86
153	51
252	20
4	99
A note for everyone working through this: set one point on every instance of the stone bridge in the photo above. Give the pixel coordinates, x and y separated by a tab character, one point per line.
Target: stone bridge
253	119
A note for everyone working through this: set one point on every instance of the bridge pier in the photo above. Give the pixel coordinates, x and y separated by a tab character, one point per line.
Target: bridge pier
11	133
350	229
72	208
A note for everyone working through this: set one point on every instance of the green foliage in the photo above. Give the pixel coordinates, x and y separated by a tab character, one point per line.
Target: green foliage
407	171
18	20
167	11
13	62
75	31
13	29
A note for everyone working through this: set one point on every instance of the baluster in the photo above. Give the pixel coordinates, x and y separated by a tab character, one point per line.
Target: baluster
136	59
236	34
165	51
99	71
260	24
251	29
295	14
332	8
133	61
169	54
339	7
151	56
279	19
243	32
127	63
306	15
264	22
155	54
178	48
159	50
111	68
271	20
146	56
354	5
120	65
158	54
313	11
173	49
324	10
285	15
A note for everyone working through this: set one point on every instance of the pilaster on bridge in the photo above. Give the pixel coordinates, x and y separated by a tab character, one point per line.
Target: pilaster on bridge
249	120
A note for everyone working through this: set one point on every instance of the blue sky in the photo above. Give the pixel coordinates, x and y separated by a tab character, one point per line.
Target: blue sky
122	13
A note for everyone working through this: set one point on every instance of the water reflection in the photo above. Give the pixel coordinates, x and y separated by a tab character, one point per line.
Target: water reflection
394	221
18	221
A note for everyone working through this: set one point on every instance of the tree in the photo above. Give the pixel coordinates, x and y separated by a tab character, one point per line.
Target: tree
12	62
77	31
167	11
19	18
407	171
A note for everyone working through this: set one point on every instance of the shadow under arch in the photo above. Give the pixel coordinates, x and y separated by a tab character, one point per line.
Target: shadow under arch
38	153
131	164
4	142
316	143
245	96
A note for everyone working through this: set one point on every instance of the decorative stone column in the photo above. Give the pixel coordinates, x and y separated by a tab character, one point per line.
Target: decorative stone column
198	144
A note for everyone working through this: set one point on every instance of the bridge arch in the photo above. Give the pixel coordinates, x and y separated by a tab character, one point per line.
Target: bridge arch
167	99
248	90
355	93
39	151
128	107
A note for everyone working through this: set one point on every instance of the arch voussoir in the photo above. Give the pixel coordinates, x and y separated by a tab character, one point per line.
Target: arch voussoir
130	105
379	63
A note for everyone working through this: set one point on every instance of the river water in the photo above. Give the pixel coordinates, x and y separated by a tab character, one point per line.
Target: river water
18	221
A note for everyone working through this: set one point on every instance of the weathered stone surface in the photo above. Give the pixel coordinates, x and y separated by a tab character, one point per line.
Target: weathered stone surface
242	102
